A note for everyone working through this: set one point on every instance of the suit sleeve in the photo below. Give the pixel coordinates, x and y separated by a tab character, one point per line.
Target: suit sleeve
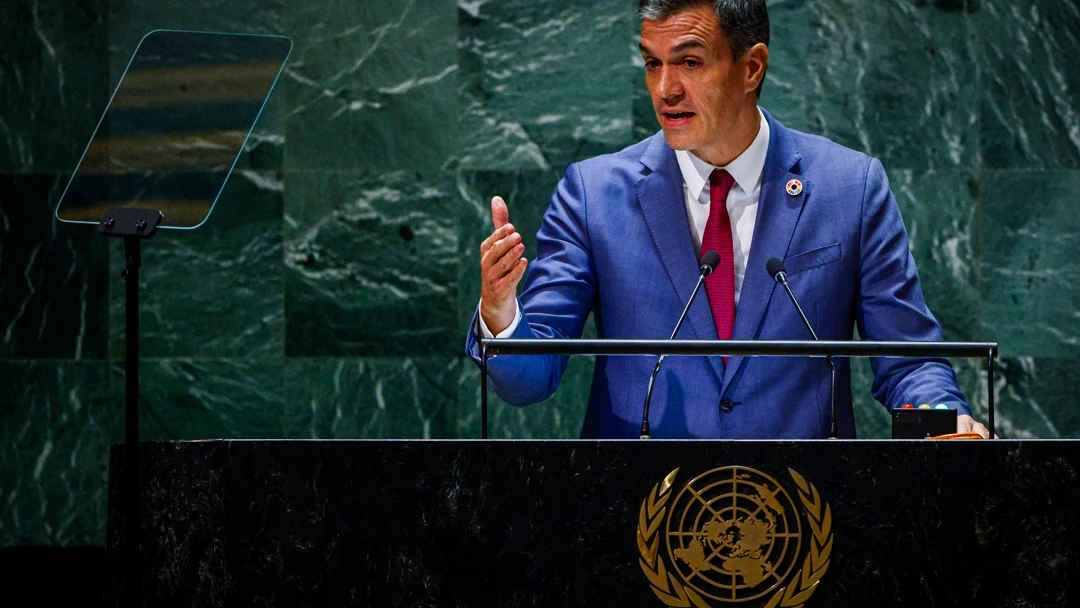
555	301
890	306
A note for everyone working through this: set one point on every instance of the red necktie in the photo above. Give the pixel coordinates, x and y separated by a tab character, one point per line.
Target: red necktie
720	284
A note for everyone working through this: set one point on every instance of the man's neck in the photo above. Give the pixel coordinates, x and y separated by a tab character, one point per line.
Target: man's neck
737	140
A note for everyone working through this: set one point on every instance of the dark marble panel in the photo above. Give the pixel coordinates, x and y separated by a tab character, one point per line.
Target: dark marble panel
377	398
130	20
1036	398
218	290
53	75
209	398
53	276
896	79
372	85
57	422
544	84
1031	232
788	80
940	210
371	263
1030	88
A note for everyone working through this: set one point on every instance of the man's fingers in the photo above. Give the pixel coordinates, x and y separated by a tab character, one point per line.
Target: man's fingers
494	237
518	271
499	249
513	277
981	430
499	268
500	215
967	424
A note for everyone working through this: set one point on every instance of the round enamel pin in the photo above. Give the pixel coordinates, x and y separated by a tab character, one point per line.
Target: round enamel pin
794	187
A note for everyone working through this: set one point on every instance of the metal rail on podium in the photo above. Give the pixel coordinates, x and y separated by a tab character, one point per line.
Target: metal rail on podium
754	348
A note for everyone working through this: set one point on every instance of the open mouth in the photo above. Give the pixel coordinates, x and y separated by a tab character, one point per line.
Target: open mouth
678	115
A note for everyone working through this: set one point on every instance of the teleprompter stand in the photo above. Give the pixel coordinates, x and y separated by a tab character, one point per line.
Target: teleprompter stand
134	226
166	183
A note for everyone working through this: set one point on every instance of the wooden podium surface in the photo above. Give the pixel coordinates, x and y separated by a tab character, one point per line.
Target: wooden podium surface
599	523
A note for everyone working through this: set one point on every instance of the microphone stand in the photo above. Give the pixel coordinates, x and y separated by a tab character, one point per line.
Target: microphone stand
781	277
709	262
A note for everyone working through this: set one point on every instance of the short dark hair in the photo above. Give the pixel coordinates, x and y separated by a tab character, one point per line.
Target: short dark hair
744	22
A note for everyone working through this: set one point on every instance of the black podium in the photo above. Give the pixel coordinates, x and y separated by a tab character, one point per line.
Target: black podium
603	523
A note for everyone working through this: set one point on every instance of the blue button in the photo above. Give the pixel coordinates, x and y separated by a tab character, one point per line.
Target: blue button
941	406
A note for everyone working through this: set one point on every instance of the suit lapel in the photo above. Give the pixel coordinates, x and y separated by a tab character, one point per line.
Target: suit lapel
660	194
778	213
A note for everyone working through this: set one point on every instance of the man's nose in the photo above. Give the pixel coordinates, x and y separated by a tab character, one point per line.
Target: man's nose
670	86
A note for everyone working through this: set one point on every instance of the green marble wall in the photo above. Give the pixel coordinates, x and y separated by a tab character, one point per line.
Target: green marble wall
328	295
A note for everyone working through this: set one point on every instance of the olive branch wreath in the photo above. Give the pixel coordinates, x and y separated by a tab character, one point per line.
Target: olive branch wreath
666	585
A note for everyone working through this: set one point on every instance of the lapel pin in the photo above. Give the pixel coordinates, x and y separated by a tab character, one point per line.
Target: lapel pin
794	187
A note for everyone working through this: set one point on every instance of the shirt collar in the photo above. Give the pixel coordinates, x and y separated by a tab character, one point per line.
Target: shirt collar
746	168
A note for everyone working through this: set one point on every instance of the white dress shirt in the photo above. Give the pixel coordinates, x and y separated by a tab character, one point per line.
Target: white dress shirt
742	205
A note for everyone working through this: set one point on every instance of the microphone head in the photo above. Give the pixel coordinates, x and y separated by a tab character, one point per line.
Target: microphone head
709	261
774	266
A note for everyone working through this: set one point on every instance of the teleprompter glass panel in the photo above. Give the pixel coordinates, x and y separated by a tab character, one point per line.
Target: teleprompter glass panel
175	126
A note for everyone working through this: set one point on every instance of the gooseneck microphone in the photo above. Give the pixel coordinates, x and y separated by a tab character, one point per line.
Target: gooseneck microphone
776	270
708	264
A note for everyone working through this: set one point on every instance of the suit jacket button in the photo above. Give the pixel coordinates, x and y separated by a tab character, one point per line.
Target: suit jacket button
726	405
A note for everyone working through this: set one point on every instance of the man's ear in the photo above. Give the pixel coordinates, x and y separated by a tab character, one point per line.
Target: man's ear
757	63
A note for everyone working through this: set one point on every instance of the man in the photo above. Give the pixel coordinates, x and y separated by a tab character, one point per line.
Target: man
624	233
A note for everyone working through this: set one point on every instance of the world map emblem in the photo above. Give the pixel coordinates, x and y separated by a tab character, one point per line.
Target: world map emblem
734	535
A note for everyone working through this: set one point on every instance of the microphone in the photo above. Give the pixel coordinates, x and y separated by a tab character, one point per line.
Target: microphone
776	270
708	264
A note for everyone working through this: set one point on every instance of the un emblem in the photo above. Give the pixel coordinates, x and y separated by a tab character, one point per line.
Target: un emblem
734	535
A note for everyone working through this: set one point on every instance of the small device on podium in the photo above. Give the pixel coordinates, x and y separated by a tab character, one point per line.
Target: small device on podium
919	422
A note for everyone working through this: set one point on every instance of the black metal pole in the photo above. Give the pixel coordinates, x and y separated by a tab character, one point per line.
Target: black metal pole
834	432
990	390
483	389
133	259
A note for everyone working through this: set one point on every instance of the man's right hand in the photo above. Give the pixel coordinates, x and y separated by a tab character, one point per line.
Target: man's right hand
501	269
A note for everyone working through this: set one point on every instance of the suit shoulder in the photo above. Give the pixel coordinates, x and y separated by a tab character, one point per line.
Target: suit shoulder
823	153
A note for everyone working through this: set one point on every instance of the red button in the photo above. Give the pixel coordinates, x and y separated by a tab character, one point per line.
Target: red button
907	406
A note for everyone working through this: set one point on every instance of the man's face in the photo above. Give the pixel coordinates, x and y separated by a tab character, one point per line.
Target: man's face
697	89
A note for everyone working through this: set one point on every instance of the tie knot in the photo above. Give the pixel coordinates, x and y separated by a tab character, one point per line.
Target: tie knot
720	183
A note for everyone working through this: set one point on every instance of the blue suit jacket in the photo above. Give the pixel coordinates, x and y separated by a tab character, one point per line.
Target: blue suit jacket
616	242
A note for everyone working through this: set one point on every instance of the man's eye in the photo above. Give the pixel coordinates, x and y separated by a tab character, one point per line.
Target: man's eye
652	63
692	63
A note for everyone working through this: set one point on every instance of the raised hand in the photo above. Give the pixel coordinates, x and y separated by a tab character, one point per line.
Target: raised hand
501	269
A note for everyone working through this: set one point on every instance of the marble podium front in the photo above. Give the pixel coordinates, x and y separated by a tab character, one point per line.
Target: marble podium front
554	523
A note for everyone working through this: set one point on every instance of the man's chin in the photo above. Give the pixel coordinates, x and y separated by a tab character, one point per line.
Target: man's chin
678	140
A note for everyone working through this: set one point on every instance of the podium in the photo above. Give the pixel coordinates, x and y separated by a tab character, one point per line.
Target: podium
601	523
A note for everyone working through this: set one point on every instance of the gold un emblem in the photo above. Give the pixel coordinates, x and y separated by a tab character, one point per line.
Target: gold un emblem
734	535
